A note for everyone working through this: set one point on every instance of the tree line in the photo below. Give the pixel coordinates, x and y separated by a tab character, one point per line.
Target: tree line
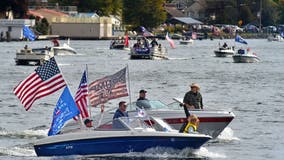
151	13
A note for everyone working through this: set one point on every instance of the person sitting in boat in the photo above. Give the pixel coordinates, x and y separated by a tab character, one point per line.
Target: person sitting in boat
193	98
225	45
120	112
142	95
55	42
154	42
191	125
26	47
88	123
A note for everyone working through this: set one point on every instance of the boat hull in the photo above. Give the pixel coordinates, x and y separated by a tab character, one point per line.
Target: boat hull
148	53
223	53
63	51
211	122
114	145
245	59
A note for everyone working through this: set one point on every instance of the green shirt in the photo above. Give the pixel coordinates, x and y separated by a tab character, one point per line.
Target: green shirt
193	99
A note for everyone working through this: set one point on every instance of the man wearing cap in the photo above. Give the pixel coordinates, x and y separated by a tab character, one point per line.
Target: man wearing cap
121	111
193	98
88	123
142	95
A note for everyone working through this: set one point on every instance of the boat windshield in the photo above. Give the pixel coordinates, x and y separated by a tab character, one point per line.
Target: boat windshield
147	104
135	123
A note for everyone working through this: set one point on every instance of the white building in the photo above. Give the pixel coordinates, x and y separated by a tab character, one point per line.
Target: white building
13	28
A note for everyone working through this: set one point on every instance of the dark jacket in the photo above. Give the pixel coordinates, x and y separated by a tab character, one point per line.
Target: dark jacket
194	99
118	114
181	130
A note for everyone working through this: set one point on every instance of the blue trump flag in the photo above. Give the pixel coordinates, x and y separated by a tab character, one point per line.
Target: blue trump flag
29	34
65	109
240	39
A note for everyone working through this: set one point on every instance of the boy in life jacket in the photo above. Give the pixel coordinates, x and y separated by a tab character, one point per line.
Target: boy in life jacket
191	125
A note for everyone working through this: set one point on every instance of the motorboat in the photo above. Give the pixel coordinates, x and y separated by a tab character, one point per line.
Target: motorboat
65	49
277	38
156	52
122	135
186	41
35	56
224	51
212	122
118	45
245	56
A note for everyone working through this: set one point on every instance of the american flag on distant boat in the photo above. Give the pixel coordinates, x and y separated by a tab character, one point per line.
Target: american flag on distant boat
45	80
81	96
146	33
109	87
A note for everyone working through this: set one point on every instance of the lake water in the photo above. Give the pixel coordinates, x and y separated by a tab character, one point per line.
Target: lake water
253	92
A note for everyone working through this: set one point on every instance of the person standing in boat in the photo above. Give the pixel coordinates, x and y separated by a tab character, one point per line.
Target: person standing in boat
193	98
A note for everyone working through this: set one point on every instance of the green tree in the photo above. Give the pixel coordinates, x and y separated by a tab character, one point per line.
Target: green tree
42	26
146	13
281	11
270	13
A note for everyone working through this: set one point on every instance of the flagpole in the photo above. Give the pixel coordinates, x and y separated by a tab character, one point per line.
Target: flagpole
128	79
88	99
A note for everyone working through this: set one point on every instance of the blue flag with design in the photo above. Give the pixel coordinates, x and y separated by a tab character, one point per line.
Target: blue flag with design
65	109
240	39
28	33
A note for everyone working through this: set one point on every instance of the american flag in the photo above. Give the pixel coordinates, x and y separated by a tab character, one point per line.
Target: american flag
81	96
109	87
146	33
45	80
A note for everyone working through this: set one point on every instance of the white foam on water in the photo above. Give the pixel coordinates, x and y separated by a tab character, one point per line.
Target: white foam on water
64	64
173	58
24	134
17	151
227	135
203	152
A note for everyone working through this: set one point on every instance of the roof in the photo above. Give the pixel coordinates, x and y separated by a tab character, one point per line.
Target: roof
173	11
46	13
187	20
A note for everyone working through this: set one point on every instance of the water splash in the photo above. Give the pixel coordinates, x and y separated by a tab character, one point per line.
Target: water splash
203	152
17	151
37	134
227	135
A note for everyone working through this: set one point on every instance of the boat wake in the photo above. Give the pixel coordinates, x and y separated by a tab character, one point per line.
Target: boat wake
27	134
21	151
175	58
227	135
168	153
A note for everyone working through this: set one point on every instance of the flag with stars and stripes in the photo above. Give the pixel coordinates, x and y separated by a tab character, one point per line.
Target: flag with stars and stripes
45	80
109	87
81	96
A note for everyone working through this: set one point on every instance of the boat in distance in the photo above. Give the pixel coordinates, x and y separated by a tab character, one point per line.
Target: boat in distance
224	52
243	56
35	56
212	122
127	135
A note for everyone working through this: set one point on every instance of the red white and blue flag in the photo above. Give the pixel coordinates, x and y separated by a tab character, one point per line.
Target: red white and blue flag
81	96
172	43
109	87
45	80
146	33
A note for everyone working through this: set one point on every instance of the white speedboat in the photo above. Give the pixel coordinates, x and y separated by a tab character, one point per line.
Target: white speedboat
245	56
186	42
65	49
224	51
121	135
35	56
276	38
212	122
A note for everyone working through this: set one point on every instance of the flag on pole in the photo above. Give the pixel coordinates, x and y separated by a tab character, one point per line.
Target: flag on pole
146	33
240	39
126	42
172	43
65	109
109	87
81	96
45	80
28	33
